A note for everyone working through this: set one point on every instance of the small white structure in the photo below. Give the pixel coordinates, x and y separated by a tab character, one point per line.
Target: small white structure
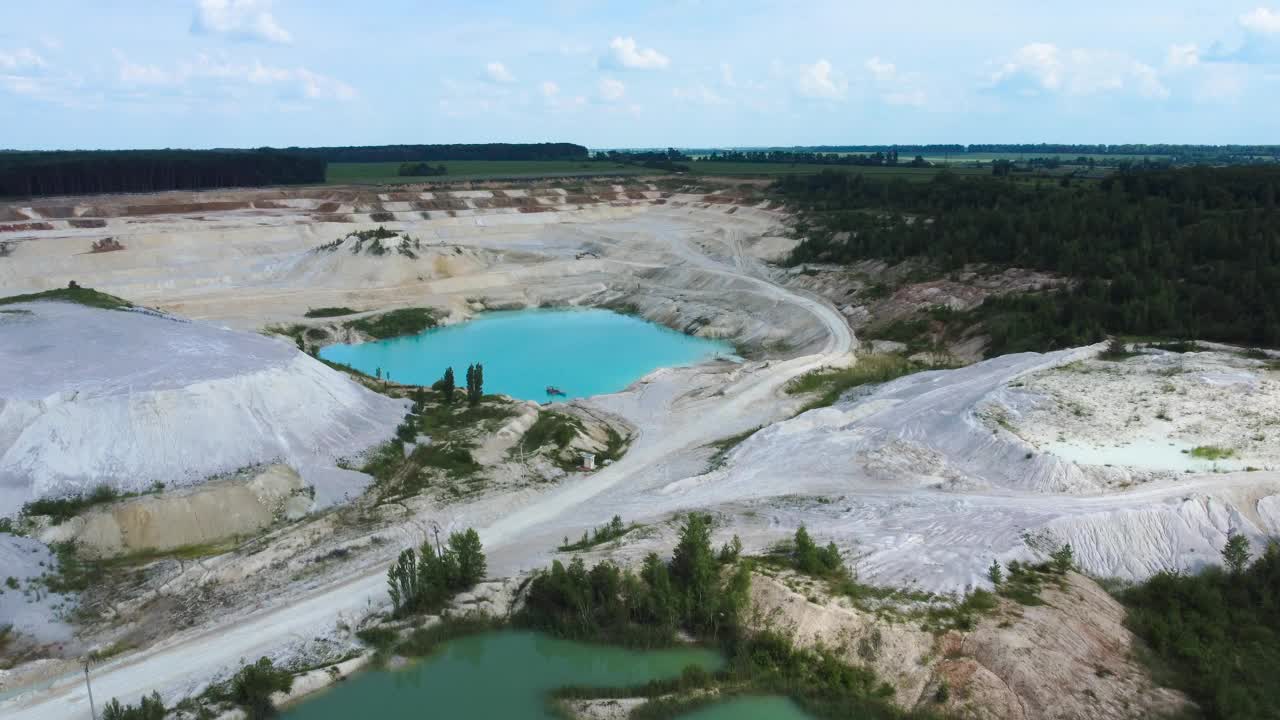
589	461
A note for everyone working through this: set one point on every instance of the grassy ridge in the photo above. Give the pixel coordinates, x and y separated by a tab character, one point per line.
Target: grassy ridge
83	296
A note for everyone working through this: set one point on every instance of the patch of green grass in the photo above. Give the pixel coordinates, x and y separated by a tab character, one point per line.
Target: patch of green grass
454	458
396	323
552	428
378	637
1212	452
325	312
64	508
724	446
80	295
424	640
603	534
830	383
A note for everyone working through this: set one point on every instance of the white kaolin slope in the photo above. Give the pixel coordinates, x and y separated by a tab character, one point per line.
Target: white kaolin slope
132	398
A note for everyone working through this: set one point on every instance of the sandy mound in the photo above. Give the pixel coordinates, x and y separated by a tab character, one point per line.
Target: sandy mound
132	398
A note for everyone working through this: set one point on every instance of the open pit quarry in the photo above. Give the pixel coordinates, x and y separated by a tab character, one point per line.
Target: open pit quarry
922	481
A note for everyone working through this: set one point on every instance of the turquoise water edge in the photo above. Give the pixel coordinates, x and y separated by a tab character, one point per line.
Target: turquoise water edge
510	675
582	352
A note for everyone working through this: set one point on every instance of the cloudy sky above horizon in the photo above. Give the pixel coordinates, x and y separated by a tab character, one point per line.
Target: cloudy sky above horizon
247	73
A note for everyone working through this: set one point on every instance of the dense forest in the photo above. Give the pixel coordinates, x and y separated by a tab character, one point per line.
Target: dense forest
105	171
1191	252
414	153
1185	153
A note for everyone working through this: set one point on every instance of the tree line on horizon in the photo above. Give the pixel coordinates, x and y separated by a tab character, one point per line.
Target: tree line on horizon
32	174
84	172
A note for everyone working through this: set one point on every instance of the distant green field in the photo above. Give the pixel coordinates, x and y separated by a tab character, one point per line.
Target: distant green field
715	167
386	172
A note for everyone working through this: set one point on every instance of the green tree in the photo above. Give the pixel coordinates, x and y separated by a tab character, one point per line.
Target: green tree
445	385
1235	554
660	605
805	554
402	582
470	553
475	384
253	685
995	573
1063	559
695	571
730	551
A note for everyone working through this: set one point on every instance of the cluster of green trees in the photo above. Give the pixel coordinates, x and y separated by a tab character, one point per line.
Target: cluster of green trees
691	592
150	708
603	534
31	174
419	169
877	158
1216	635
1189	252
446	385
671	160
475	384
423	581
250	689
453	151
813	560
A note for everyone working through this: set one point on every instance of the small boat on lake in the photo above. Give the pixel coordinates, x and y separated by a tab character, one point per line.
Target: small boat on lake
554	391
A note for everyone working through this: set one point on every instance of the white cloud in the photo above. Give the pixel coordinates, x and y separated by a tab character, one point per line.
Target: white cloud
205	70
1263	21
1260	43
726	75
699	93
820	80
1182	56
1040	68
497	72
244	19
881	69
612	90
625	55
20	59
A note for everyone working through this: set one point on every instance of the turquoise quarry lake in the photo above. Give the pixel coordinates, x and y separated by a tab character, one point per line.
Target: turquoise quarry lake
510	675
582	352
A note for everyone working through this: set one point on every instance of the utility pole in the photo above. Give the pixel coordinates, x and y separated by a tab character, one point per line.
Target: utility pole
93	711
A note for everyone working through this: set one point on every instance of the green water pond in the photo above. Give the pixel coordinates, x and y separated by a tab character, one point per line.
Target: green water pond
510	675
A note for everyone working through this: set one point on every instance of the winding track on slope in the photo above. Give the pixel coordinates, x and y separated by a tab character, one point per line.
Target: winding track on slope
177	666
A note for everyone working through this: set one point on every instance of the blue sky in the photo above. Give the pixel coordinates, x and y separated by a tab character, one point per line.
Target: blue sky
244	73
